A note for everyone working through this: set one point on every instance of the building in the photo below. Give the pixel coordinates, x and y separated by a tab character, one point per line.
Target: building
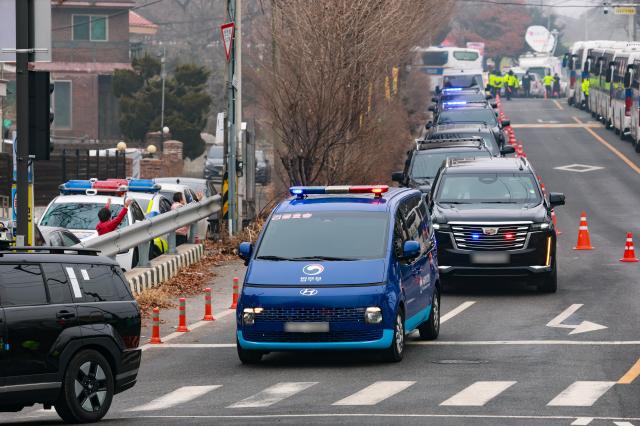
90	40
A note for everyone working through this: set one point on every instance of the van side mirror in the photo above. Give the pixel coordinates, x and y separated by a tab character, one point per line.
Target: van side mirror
507	149
244	251
628	78
556	199
432	108
488	97
506	123
434	99
410	250
397	177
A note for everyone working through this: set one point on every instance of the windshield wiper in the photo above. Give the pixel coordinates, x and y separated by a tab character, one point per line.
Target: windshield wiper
454	202
276	258
329	258
499	202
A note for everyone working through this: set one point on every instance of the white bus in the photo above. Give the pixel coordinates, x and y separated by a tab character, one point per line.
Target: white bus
438	62
626	113
578	65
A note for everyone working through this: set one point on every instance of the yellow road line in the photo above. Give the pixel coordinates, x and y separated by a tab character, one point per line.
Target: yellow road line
611	148
630	375
558	104
556	125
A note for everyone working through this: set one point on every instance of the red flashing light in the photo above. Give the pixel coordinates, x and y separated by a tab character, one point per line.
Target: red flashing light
378	190
628	101
509	236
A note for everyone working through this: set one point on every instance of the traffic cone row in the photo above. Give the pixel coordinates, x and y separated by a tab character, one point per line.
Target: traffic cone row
208	313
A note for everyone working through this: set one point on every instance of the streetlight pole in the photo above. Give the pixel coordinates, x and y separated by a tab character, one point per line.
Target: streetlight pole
163	75
233	124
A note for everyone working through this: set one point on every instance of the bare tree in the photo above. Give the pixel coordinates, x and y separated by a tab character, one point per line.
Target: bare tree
323	84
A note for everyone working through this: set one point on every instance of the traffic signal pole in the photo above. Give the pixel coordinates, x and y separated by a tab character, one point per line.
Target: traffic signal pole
23	49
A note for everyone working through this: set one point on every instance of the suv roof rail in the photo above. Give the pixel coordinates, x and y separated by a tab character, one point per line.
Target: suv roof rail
51	250
463	142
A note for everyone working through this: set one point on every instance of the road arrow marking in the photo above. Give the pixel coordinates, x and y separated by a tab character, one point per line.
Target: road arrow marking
583	327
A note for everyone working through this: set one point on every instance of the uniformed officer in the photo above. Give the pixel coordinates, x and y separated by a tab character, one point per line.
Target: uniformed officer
548	84
585	91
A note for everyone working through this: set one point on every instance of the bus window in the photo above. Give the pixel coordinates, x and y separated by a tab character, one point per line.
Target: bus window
463	55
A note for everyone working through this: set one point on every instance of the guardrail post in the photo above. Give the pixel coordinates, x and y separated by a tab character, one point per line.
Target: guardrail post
143	255
193	229
172	243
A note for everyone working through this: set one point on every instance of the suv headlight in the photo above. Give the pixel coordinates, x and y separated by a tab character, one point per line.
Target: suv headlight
539	226
373	315
249	315
441	227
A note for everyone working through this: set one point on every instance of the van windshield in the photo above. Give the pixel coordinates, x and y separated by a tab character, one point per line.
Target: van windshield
327	235
78	215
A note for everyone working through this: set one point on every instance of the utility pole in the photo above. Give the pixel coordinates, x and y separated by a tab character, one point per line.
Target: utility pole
232	129
237	51
23	49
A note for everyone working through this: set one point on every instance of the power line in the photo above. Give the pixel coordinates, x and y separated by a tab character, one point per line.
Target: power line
122	12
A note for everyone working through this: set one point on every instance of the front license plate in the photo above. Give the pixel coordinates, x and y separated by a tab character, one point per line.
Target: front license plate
485	258
306	327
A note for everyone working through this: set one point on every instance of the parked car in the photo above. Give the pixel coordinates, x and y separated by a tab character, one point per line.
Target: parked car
190	196
70	332
214	164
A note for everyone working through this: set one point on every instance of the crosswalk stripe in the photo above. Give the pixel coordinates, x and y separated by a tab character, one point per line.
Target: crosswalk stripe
623	423
178	396
581	394
455	311
582	421
478	394
374	393
273	394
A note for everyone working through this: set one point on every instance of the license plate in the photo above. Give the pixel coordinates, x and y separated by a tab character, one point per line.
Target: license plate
306	327
485	258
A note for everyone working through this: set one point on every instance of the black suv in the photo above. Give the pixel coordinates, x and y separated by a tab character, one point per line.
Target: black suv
492	219
69	331
460	97
425	160
470	130
473	114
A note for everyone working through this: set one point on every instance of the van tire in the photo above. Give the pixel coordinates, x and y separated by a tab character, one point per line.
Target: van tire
395	352
90	370
430	329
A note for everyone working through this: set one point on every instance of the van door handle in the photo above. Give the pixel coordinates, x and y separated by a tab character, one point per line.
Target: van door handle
65	315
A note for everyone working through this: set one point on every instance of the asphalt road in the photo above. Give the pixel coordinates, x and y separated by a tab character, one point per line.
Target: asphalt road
497	361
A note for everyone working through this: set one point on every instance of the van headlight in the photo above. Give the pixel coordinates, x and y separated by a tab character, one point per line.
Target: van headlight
249	315
373	315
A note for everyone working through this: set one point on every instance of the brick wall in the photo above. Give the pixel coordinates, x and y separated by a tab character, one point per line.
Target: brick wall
165	164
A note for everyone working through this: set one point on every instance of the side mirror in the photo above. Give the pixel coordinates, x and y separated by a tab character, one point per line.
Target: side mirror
628	78
494	105
506	123
556	199
609	76
488	97
410	250
244	251
397	177
428	125
434	99
432	108
507	149
587	65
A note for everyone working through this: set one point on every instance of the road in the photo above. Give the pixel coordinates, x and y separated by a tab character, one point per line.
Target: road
498	359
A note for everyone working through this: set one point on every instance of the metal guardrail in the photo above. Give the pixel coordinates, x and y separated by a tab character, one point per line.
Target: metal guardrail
140	233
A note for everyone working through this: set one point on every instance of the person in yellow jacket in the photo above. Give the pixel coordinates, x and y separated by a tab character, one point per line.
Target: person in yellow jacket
548	85
510	84
585	91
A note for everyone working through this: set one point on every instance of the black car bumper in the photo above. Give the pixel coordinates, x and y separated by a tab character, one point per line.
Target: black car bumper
127	373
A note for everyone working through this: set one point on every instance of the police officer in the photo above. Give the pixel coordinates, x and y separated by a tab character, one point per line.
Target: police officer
585	91
526	84
492	83
548	83
510	84
498	82
556	85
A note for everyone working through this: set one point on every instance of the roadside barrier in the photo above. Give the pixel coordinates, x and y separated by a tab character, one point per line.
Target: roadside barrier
629	250
208	314
182	326
584	240
155	329
234	301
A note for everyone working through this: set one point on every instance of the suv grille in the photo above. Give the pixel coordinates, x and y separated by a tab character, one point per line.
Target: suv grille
490	237
311	314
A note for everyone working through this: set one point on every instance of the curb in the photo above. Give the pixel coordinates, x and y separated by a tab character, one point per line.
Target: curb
163	268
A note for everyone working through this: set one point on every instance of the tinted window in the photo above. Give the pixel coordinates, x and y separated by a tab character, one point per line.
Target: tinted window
399	234
468	97
99	283
136	213
435	58
464	81
57	283
78	215
69	239
21	285
351	235
165	205
487	137
427	163
468	115
412	218
490	188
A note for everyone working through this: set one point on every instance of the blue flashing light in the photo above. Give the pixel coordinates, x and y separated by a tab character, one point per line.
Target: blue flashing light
475	236
143	185
452	89
454	103
75	186
301	191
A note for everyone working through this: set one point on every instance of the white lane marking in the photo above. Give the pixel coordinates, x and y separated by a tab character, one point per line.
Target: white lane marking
623	423
581	394
582	421
178	396
578	168
478	394
192	327
455	311
193	346
273	394
374	393
583	327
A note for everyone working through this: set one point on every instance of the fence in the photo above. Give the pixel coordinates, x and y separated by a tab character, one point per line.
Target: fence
69	164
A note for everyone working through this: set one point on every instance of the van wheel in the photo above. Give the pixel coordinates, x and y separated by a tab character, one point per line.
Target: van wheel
430	329
395	352
248	356
87	389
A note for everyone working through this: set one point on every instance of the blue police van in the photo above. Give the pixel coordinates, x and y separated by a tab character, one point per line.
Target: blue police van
340	267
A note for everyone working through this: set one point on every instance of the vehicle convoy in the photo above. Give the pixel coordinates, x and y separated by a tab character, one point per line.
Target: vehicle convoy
473	114
492	219
469	130
69	332
340	267
440	61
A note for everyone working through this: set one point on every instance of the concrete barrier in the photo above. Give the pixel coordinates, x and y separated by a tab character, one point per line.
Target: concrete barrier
163	268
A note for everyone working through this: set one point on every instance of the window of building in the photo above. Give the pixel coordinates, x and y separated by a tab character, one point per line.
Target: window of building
62	104
90	27
21	285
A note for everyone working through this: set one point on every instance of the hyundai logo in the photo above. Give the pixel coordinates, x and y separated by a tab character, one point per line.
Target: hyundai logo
309	292
313	269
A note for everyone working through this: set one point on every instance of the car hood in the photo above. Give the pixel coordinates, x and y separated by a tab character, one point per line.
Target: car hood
84	234
312	273
445	213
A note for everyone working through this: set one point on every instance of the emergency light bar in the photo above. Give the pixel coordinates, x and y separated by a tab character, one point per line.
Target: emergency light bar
455	103
109	186
302	191
452	89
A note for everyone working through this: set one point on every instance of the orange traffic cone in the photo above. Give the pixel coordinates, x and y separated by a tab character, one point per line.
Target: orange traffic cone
236	292
155	329
584	241
629	251
555	222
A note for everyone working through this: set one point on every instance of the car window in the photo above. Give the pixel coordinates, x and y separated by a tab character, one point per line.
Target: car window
136	212
99	283
412	219
468	115
57	283
399	234
54	239
211	189
68	240
189	195
21	285
426	163
165	205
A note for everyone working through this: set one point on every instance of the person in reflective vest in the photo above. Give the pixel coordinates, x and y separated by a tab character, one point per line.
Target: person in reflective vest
585	91
548	84
510	84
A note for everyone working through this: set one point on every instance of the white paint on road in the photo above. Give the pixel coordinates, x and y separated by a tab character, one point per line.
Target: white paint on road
578	168
273	394
623	423
582	421
583	327
455	311
478	394
374	393
526	342
581	394
177	397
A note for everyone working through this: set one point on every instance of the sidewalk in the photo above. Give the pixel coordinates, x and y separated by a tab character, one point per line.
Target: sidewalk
221	294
